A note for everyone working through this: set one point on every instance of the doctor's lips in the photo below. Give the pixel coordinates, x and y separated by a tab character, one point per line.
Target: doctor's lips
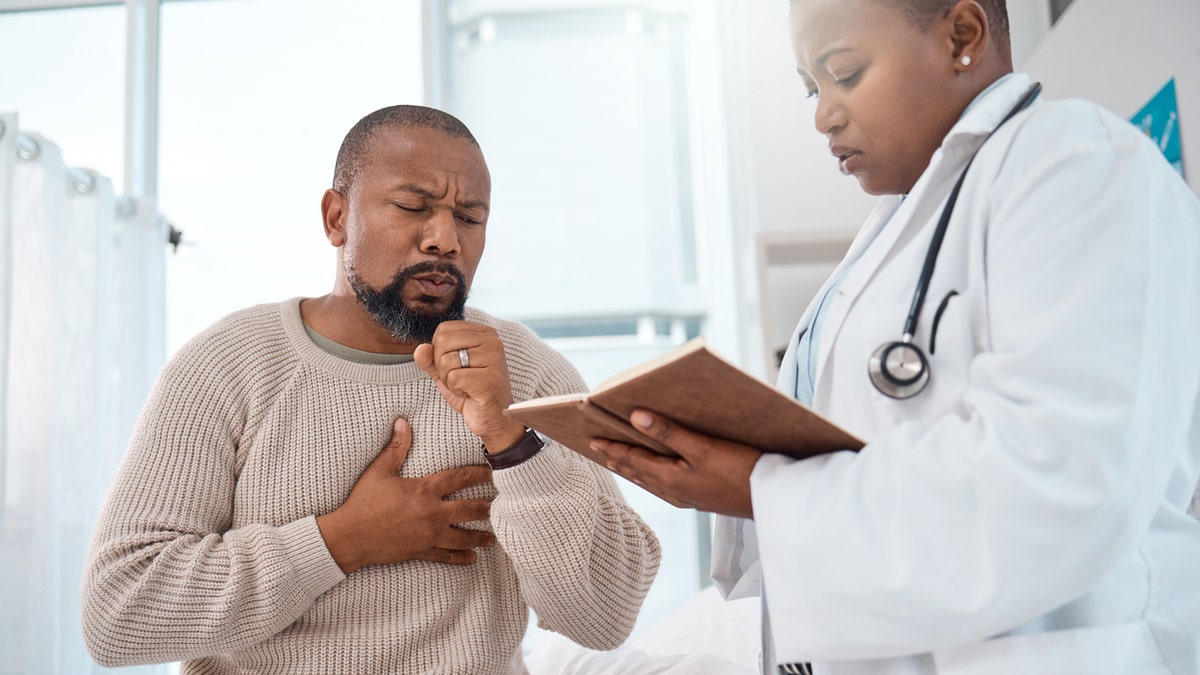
848	158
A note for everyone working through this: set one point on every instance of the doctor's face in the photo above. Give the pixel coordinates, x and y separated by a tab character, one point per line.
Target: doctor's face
884	87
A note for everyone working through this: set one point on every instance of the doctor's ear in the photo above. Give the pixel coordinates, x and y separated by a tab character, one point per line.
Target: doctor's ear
333	216
968	34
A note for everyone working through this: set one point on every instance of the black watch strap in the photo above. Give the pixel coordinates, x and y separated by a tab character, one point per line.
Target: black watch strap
527	446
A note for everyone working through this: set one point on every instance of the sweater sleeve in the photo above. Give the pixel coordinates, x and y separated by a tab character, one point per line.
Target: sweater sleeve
167	578
584	559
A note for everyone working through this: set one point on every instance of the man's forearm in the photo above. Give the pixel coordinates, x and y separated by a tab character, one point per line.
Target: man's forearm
187	596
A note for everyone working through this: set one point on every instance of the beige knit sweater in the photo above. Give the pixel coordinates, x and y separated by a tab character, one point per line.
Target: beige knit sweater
207	549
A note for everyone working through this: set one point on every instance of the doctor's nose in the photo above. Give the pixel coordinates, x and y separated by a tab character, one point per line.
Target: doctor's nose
828	117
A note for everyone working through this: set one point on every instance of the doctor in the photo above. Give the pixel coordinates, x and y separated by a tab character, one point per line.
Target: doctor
1023	363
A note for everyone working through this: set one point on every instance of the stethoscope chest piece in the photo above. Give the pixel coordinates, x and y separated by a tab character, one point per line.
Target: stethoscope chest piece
899	369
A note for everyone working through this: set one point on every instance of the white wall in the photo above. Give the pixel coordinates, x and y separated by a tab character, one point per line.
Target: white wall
1028	22
781	173
789	176
1119	53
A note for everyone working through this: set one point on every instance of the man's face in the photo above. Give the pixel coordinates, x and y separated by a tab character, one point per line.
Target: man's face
414	225
885	87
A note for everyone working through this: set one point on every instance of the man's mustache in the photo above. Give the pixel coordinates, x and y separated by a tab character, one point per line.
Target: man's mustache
404	274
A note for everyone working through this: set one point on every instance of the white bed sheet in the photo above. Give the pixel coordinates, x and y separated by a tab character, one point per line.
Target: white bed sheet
705	636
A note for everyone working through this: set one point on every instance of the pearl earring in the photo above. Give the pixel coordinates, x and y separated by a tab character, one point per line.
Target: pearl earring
965	60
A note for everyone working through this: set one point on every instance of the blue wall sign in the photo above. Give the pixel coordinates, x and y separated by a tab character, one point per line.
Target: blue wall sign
1160	120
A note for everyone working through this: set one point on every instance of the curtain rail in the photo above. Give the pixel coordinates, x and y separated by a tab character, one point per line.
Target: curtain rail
84	180
41	5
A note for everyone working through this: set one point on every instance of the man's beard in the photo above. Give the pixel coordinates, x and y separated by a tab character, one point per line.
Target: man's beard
405	323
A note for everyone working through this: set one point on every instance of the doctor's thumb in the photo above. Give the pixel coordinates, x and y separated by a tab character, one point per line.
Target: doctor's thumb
653	425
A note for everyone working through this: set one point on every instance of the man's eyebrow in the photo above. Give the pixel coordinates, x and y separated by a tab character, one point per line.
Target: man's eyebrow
429	194
415	189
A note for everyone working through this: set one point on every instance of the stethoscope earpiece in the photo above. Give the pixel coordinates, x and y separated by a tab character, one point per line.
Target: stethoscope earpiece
900	369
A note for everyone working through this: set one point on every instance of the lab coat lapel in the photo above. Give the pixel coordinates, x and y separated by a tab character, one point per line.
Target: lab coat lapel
879	217
874	242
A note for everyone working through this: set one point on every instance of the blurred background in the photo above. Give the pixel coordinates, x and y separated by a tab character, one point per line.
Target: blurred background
656	176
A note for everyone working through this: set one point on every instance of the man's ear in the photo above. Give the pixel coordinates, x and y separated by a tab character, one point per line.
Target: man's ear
969	35
333	215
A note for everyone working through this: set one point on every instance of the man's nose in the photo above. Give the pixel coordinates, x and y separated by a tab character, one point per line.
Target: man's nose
440	234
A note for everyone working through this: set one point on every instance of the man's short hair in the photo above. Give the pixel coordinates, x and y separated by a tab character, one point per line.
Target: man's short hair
358	139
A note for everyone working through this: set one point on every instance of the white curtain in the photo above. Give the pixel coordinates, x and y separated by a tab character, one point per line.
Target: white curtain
81	338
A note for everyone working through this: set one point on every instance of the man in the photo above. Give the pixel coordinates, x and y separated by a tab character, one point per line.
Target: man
255	526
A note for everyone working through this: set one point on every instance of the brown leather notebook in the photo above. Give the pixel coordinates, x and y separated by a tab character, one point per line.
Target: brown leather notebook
697	388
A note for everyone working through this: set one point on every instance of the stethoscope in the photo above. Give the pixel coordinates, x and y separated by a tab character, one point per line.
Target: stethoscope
899	369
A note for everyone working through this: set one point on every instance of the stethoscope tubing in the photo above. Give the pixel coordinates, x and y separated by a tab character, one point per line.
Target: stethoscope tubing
939	233
885	381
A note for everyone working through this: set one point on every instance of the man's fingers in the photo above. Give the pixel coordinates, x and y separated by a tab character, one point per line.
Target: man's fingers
450	335
459	539
467	510
423	357
396	451
482	344
452	557
451	360
453	480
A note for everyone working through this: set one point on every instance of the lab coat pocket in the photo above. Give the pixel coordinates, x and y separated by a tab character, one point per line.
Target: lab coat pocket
952	340
937	320
1096	650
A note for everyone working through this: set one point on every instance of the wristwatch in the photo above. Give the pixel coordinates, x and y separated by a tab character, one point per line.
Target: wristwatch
527	446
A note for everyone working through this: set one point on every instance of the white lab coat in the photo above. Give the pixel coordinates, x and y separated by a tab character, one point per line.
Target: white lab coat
1026	513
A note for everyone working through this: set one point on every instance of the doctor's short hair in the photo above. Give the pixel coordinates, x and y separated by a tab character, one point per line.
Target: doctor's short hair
922	13
358	139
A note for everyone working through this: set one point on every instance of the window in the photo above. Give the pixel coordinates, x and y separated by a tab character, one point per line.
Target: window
256	97
582	109
64	74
